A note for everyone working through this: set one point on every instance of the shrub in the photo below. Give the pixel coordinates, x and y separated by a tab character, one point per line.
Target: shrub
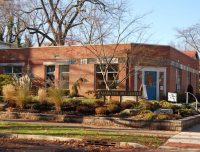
149	105
146	115
8	92
101	111
181	97
42	106
42	95
56	97
128	104
185	112
113	108
85	109
22	97
4	80
71	105
114	102
164	116
99	103
166	104
23	82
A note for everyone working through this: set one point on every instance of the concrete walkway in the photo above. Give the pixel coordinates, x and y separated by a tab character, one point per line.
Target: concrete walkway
188	141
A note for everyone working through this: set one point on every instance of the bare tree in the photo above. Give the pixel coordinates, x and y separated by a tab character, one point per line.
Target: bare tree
52	20
100	30
12	27
191	36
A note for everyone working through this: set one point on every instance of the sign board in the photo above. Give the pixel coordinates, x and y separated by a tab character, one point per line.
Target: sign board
119	93
172	97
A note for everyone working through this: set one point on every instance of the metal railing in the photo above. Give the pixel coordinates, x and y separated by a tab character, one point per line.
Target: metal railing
187	98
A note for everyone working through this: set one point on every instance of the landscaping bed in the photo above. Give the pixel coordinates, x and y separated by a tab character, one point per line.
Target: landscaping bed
173	125
20	101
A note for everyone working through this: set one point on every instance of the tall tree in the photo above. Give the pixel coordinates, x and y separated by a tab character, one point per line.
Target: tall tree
53	19
191	36
12	27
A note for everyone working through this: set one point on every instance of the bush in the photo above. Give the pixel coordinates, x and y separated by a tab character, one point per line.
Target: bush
145	115
181	97
149	105
99	103
5	80
163	116
56	97
71	105
101	111
128	104
8	92
184	112
113	108
166	105
42	95
114	102
22	97
42	106
85	109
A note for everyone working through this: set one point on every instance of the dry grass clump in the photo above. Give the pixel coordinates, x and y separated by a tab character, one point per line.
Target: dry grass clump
42	95
56	97
8	92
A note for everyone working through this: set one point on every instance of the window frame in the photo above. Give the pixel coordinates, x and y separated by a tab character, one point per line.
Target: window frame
108	72
12	73
65	72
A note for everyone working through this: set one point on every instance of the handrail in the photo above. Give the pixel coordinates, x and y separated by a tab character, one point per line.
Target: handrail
196	107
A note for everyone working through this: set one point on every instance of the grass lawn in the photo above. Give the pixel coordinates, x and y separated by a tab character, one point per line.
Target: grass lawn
41	129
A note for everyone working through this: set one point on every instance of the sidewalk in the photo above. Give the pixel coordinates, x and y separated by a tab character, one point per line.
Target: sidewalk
188	140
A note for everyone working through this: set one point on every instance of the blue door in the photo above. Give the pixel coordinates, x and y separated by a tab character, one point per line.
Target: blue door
150	82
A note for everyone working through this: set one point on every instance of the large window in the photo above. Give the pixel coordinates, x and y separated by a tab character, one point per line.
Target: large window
189	75
50	77
111	76
64	76
178	80
13	70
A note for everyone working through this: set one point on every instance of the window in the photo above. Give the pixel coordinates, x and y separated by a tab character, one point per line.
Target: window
83	61
64	76
189	78
111	76
13	70
178	80
50	77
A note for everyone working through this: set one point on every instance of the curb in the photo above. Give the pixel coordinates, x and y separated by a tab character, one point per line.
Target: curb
54	138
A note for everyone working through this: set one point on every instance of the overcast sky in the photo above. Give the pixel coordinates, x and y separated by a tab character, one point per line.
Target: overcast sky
166	16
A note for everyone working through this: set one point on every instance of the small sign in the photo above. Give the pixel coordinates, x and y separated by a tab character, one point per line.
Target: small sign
119	93
172	97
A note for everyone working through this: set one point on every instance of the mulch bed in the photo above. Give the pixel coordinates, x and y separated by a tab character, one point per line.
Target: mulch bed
14	144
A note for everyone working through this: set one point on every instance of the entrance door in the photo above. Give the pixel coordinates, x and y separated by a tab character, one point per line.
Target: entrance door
150	82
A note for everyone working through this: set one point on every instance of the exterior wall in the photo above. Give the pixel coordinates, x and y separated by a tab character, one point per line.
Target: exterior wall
147	55
85	71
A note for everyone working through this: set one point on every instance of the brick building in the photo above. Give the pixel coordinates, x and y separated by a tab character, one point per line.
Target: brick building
160	68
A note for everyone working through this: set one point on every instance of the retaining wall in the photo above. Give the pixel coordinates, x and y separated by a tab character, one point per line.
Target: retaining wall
172	125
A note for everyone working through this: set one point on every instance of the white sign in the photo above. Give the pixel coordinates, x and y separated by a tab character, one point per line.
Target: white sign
172	97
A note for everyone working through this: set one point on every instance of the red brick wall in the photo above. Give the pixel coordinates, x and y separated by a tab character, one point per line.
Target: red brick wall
36	57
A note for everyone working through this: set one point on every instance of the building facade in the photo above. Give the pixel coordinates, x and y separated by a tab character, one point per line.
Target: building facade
159	68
